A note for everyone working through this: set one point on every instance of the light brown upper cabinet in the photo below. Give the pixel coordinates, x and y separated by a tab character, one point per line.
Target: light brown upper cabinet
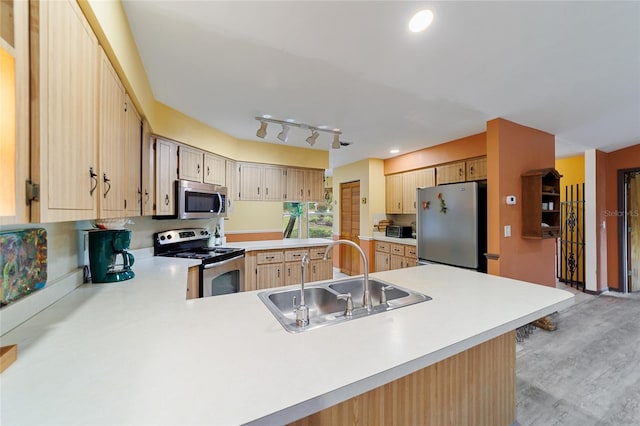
166	175
411	181
133	160
190	163
111	141
148	171
401	189
476	169
393	200
64	113
452	172
262	182
304	184
215	170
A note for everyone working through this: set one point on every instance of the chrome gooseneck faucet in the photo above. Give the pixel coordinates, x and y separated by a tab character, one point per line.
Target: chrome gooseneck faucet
366	298
302	310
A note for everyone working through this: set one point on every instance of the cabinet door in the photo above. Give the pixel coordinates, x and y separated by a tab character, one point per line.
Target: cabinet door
394	193
250	181
426	178
313	185
111	141
269	276
409	185
295	185
382	261
232	179
274	183
166	175
477	169
14	104
133	160
148	171
293	273
215	171
396	262
448	173
64	92
320	270
190	166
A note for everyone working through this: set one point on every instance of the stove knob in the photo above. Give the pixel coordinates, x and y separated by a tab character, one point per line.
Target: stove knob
162	238
169	237
205	232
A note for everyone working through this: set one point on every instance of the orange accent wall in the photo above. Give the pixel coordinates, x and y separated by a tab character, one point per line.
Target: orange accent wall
572	171
253	236
607	195
459	149
513	149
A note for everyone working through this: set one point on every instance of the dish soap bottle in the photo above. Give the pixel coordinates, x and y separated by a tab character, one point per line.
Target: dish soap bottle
216	235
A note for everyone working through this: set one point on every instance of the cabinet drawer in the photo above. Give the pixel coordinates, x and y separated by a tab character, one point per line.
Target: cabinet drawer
269	257
382	246
410	251
293	255
316	253
397	249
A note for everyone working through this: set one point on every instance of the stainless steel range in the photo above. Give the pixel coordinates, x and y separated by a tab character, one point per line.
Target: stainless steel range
222	268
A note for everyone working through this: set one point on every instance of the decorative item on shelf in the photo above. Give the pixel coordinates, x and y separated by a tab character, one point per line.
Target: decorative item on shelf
443	204
287	124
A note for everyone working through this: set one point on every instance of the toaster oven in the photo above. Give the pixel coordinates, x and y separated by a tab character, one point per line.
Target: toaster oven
398	231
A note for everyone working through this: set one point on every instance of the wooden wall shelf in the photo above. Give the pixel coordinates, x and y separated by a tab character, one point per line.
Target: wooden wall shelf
541	204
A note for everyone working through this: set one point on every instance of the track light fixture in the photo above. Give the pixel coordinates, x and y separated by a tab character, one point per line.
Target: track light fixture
286	126
262	131
284	134
311	140
336	141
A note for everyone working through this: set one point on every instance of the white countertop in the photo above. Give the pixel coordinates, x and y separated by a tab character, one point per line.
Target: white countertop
280	244
379	236
137	352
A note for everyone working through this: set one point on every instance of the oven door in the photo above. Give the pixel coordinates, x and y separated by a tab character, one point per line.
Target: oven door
222	277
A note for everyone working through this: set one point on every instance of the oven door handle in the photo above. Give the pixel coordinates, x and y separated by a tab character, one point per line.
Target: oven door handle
224	262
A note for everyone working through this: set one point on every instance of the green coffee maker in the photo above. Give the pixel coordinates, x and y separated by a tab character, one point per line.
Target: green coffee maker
109	260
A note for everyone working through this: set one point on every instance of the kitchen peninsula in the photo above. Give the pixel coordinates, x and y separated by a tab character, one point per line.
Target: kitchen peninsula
137	352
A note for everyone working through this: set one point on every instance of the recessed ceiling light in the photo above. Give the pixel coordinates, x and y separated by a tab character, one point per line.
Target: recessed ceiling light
394	151
421	21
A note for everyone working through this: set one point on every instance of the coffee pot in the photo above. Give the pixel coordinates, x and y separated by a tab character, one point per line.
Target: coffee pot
109	260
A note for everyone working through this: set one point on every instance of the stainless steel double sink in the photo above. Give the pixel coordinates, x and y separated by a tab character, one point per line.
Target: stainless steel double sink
324	306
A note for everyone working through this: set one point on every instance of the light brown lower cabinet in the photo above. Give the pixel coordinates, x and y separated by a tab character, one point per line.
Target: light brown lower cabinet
473	387
193	282
391	256
273	268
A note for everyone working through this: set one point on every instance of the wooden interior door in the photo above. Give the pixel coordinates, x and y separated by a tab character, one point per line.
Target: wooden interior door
633	231
349	227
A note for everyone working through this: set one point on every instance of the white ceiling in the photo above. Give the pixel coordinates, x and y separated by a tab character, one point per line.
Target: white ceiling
568	68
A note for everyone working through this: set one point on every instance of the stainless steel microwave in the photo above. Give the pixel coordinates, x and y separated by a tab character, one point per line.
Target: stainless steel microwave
196	200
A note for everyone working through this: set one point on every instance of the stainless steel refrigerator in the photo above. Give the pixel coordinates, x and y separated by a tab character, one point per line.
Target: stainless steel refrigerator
451	225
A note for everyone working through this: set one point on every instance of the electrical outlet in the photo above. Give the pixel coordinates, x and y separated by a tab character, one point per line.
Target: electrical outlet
507	230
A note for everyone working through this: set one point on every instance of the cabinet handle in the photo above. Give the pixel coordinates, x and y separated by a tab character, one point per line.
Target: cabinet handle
301	192
198	169
288	272
139	196
166	199
398	205
309	192
314	269
460	172
94	178
278	272
258	190
266	191
208	170
108	183
146	194
471	170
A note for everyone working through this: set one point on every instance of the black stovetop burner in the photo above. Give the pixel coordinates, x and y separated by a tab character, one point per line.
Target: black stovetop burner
191	244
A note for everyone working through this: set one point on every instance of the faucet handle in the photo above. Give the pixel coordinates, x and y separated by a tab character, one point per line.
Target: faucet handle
383	293
349	309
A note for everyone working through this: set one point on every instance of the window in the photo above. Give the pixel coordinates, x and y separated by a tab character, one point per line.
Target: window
307	220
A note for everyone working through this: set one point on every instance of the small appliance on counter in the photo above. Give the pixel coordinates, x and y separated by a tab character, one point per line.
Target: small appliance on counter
398	231
109	260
